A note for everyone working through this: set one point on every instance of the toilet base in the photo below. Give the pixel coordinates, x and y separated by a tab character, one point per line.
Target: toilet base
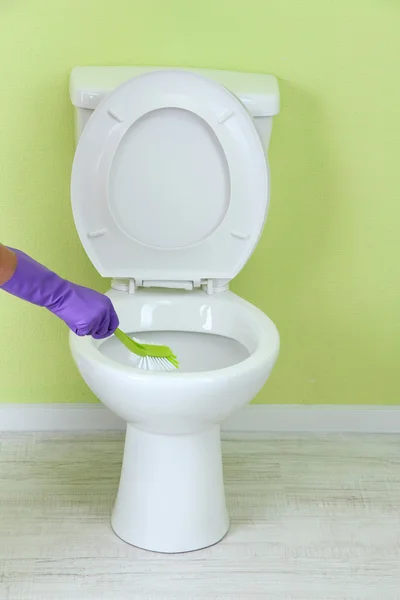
171	494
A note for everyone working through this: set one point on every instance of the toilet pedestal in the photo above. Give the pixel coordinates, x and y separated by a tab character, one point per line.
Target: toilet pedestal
171	493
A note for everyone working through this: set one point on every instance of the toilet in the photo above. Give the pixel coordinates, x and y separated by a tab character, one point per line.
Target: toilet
170	192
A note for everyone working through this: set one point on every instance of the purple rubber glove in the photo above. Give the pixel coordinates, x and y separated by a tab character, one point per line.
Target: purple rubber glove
85	311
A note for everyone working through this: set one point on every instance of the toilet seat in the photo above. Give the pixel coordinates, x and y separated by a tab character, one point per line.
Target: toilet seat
170	183
225	315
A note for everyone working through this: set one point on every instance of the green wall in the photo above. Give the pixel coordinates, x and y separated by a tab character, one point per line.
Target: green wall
327	269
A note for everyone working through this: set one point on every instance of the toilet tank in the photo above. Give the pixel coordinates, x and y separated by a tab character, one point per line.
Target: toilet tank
258	92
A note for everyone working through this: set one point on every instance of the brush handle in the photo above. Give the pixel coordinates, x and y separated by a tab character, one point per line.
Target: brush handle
132	346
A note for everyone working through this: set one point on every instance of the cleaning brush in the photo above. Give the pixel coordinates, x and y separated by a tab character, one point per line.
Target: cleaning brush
152	357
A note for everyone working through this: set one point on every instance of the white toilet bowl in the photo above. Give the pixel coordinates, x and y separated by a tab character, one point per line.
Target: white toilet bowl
171	494
170	193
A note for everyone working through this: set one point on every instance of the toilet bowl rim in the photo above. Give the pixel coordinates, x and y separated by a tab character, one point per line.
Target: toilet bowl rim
266	351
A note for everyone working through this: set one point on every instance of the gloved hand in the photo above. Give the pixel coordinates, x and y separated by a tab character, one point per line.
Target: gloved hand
85	311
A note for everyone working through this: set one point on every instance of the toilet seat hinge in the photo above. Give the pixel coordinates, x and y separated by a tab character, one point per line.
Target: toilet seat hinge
169	284
214	286
210	286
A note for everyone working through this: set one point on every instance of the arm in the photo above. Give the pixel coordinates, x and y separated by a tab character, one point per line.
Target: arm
8	264
85	311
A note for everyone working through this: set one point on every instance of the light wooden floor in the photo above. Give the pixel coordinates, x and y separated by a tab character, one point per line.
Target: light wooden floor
312	519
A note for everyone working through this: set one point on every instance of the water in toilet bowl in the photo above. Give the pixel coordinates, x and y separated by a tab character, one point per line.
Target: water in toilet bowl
197	352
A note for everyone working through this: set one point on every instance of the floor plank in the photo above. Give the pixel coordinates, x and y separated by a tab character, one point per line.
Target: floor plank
313	518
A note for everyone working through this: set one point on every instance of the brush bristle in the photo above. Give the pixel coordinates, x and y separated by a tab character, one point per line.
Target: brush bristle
152	363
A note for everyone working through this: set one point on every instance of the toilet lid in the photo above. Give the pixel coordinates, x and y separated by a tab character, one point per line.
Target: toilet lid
170	181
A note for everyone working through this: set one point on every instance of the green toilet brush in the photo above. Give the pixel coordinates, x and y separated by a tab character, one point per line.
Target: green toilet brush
152	357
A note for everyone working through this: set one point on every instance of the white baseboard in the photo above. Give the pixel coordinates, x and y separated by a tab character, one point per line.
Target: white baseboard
253	419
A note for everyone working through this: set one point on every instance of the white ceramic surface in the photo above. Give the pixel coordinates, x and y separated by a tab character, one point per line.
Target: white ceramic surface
170	189
172	447
257	91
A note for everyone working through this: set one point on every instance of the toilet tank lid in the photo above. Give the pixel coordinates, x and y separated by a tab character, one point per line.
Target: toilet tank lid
258	92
